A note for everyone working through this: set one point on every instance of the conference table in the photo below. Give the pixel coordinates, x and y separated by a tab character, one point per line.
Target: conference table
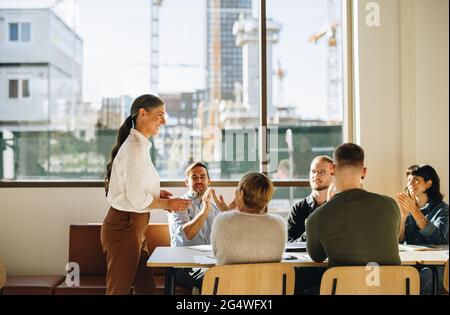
203	257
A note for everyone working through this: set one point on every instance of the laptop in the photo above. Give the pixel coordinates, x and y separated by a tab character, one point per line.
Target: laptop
295	247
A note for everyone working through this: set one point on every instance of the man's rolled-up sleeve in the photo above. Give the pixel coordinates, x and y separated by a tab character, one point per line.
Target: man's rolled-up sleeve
176	222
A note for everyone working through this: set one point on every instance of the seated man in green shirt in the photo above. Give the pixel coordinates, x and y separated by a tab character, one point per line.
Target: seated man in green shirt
355	227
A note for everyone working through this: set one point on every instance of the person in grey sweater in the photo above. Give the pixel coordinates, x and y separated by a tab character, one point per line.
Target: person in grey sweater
249	234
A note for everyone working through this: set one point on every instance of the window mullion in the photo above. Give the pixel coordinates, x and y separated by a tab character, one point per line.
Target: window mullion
262	148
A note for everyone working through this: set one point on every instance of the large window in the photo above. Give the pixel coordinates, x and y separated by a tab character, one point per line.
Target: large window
202	58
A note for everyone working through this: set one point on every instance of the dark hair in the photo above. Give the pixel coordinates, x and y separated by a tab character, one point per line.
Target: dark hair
146	101
195	164
428	173
349	154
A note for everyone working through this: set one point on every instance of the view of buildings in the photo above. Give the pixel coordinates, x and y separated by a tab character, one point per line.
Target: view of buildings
50	130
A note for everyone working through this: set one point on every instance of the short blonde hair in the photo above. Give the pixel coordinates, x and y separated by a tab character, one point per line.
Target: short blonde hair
323	158
257	190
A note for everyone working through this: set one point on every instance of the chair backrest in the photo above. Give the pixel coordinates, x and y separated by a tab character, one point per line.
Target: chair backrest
85	248
157	235
446	277
371	280
250	279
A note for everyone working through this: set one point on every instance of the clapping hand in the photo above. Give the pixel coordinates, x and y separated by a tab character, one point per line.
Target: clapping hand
220	202
407	203
206	200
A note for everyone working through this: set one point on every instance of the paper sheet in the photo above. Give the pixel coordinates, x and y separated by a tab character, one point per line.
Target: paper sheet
205	260
408	248
202	248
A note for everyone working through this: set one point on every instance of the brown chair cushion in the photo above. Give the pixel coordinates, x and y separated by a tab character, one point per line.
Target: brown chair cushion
32	285
157	235
85	248
89	285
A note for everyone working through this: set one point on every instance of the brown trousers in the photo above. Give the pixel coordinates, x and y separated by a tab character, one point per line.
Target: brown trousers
123	241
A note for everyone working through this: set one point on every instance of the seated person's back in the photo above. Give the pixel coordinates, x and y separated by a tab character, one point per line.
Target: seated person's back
249	234
240	237
355	227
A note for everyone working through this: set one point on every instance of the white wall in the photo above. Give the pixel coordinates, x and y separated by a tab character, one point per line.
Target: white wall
431	77
378	96
402	90
403	73
34	224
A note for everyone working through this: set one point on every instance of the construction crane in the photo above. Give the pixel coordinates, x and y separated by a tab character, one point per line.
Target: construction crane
329	30
154	45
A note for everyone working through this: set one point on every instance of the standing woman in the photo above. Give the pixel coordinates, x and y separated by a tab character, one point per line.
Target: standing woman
133	190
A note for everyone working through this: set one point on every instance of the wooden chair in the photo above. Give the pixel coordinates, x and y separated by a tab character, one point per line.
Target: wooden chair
446	277
386	280
250	279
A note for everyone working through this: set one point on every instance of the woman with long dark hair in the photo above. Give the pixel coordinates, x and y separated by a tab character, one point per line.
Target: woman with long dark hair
424	217
133	189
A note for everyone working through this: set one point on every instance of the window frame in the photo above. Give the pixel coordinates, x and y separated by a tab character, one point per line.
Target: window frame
20	90
17	87
28	89
348	122
19	32
9	32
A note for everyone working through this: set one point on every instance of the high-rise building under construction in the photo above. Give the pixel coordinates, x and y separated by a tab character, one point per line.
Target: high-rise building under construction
224	57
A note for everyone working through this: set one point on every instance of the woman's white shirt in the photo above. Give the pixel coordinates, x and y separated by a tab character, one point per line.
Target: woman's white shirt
134	181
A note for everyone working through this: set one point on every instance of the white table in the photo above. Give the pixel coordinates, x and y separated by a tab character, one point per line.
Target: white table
184	257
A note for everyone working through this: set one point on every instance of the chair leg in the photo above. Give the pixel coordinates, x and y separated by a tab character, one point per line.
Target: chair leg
408	290
216	285
333	290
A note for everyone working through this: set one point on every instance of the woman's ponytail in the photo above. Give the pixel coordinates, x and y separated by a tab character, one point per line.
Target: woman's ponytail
122	135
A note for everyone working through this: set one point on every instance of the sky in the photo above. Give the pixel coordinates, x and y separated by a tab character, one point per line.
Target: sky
116	47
